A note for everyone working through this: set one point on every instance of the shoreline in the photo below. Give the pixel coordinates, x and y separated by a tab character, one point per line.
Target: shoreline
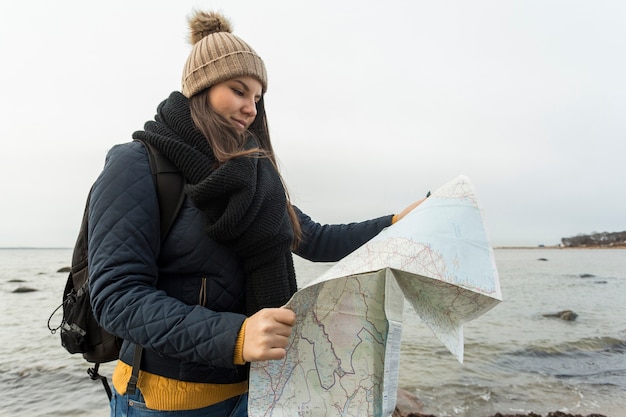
531	414
409	405
561	247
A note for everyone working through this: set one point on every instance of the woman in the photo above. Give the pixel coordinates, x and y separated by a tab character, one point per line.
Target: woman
205	301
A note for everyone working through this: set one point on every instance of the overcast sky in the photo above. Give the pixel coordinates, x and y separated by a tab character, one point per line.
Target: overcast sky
370	105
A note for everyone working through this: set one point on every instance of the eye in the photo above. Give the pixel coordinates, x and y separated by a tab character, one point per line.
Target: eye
238	92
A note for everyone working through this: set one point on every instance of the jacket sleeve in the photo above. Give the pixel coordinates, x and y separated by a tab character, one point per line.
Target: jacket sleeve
331	242
124	245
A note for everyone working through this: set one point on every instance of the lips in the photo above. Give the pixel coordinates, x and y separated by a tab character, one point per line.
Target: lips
240	124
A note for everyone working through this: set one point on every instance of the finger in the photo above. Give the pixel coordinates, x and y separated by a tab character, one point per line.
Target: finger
283	331
285	316
275	354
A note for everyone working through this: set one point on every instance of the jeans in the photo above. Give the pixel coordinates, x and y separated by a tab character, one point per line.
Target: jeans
134	406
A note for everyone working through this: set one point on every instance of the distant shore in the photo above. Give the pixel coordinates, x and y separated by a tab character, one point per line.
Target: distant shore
563	247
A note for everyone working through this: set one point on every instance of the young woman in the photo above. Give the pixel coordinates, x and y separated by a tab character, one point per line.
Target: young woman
205	301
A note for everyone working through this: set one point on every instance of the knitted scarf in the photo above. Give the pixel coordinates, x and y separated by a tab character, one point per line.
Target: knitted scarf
243	201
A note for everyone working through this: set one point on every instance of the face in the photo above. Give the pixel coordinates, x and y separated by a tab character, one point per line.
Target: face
236	100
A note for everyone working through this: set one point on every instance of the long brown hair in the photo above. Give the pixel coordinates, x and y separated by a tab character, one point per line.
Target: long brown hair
227	143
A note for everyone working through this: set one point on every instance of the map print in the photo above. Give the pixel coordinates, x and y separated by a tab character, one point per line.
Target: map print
342	344
343	355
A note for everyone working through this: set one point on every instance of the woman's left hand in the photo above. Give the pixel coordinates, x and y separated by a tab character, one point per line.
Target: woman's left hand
407	210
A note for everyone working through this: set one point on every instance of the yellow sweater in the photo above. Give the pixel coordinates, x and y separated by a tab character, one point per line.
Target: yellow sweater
166	394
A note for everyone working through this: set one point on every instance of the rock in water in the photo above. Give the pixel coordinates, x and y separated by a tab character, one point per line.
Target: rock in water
24	289
407	404
567	315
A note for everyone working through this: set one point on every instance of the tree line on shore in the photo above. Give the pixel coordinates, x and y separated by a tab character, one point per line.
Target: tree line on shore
604	239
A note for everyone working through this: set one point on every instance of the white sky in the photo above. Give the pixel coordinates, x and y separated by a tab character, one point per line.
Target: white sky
370	103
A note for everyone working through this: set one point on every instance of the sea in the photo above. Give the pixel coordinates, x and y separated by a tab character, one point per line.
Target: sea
516	360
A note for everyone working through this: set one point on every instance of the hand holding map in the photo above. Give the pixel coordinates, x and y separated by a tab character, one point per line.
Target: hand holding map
342	357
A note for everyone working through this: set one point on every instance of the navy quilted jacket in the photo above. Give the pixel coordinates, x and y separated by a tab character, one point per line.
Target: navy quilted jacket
185	336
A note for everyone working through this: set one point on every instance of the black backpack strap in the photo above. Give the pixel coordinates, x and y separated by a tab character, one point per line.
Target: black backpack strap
134	376
169	184
93	374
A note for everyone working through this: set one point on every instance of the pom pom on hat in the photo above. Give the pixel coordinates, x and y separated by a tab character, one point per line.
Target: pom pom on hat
217	55
202	24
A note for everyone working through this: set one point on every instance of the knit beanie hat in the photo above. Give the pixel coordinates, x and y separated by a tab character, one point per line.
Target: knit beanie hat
217	55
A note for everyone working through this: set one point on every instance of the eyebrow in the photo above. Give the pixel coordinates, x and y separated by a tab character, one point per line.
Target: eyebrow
244	86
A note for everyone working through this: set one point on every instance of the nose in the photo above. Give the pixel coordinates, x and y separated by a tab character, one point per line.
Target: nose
249	108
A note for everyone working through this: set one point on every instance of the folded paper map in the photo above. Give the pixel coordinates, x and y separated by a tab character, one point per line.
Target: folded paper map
343	354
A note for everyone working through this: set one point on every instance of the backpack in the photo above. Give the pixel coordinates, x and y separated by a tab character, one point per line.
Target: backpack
80	332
